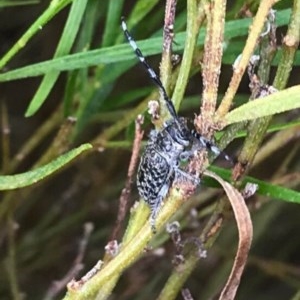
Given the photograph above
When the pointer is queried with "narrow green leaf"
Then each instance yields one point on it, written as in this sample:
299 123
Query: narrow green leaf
77 79
9 3
139 11
48 14
67 39
266 189
123 52
10 182
112 23
276 103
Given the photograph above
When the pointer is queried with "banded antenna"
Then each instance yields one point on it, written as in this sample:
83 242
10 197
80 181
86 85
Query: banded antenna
148 68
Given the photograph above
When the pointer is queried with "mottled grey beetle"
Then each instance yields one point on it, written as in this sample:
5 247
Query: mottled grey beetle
160 164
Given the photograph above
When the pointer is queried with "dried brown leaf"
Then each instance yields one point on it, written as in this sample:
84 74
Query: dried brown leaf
245 231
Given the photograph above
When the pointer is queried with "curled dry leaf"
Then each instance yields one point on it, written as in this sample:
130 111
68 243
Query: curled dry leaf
245 230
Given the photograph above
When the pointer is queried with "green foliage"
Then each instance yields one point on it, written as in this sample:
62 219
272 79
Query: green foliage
8 3
11 182
121 53
90 74
269 105
64 46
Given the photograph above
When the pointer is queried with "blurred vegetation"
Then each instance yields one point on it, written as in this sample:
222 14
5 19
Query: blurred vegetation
69 80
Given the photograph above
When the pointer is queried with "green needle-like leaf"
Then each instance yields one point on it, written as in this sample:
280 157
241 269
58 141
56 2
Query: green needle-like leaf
63 48
266 189
10 182
273 104
123 52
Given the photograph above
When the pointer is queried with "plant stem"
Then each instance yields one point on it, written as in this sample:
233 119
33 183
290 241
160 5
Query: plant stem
256 29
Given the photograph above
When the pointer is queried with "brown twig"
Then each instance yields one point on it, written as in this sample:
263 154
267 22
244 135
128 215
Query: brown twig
124 198
169 26
212 60
179 243
256 29
186 294
259 89
74 285
58 286
166 58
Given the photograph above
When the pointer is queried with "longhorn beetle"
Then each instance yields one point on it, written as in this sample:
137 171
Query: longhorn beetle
159 167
